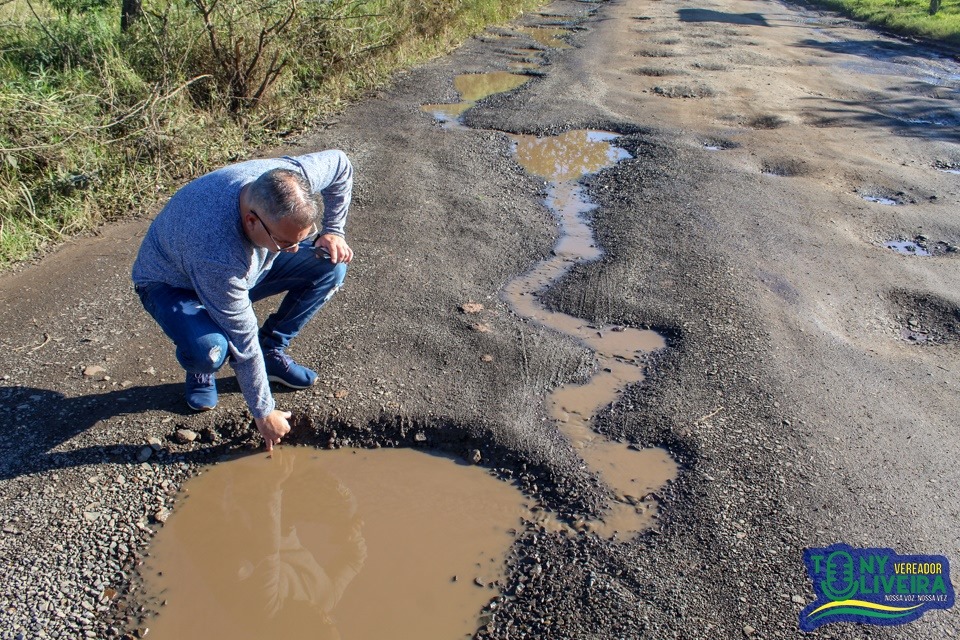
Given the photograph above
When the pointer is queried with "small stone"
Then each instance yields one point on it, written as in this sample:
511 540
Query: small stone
479 582
144 454
487 357
340 394
420 436
155 443
481 327
161 514
798 599
91 516
475 456
126 383
93 370
471 307
121 480
184 436
749 631
9 529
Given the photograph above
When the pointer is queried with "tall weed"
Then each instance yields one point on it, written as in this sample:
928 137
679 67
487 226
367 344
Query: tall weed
96 123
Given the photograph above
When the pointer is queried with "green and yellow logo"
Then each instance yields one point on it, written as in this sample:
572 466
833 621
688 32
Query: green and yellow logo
873 586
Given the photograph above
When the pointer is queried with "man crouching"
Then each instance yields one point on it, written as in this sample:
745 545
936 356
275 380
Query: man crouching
232 237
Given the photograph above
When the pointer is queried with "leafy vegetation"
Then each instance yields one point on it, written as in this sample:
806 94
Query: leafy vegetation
97 122
934 20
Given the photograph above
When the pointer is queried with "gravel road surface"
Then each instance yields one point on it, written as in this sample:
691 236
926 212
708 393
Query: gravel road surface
808 388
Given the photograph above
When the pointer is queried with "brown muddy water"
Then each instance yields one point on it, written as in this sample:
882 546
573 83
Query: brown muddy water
547 36
632 474
473 87
385 543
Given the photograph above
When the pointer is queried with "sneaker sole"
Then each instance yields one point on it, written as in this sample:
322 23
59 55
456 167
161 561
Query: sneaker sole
287 384
201 408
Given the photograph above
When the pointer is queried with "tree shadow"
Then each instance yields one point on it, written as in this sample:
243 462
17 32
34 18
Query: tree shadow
875 49
912 117
40 420
708 15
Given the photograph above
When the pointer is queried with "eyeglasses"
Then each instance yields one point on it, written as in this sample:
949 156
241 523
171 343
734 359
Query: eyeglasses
291 246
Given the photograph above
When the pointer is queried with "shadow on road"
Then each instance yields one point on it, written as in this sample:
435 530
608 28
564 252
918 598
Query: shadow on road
708 15
908 117
40 420
873 49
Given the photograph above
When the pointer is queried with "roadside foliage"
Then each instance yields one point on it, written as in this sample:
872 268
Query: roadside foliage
105 106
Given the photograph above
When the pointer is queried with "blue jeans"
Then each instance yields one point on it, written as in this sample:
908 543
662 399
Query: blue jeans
202 347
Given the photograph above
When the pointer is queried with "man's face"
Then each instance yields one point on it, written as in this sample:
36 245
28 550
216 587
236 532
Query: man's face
283 235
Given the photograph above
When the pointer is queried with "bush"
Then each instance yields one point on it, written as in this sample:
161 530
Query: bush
96 123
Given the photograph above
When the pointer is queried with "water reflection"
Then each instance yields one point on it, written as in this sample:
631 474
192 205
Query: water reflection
306 543
473 87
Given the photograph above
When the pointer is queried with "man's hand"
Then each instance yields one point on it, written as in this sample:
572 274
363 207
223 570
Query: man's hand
273 427
336 247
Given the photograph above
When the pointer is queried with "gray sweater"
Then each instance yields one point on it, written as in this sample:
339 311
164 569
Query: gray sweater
196 242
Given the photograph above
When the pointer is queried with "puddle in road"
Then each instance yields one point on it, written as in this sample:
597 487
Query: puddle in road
890 202
524 66
908 248
473 87
330 544
562 160
547 36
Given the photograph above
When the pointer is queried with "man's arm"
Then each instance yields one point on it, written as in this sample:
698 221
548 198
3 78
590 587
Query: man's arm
224 295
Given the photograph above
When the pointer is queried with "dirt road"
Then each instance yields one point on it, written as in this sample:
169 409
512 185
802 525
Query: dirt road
808 387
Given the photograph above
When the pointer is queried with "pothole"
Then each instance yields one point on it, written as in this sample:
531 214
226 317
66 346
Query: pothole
719 144
562 160
920 245
473 87
925 318
711 66
684 91
885 197
948 167
907 247
656 53
768 121
548 36
300 542
656 72
784 168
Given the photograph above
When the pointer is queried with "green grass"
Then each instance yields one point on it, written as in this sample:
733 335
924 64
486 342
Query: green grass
96 124
905 17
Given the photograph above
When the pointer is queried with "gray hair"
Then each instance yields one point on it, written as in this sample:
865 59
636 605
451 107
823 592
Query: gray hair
282 193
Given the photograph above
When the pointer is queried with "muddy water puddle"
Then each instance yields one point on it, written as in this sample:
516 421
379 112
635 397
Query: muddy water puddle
473 87
329 544
632 475
547 36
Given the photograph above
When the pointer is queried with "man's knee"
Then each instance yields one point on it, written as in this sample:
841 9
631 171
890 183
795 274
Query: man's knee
330 281
205 354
